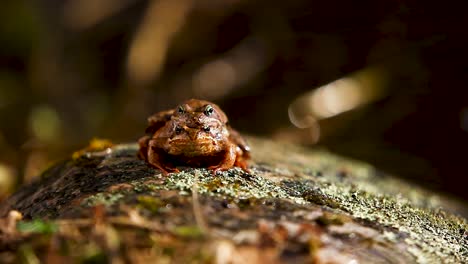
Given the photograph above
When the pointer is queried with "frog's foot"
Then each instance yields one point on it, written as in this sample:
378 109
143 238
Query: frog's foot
241 163
167 170
164 169
218 168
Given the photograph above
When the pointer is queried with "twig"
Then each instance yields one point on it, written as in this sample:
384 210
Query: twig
197 211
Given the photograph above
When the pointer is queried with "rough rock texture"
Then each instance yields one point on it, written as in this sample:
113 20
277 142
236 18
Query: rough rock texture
295 205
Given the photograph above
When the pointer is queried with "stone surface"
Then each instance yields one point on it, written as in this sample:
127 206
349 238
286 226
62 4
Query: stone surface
295 205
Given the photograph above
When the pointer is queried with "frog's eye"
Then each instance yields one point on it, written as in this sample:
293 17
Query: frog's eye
208 110
180 109
206 128
178 129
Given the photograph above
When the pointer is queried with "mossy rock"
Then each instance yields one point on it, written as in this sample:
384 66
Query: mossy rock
295 205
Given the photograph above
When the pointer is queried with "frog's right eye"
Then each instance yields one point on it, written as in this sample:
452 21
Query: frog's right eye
180 109
178 129
208 110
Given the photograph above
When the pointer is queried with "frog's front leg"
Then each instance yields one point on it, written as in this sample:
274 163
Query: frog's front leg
241 159
156 160
143 150
228 160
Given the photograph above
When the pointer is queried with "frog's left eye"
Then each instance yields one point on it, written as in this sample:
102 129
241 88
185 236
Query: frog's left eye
206 128
180 109
208 110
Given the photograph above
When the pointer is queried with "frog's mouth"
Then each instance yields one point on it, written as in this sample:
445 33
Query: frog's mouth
189 148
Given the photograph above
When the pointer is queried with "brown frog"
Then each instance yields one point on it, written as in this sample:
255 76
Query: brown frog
196 134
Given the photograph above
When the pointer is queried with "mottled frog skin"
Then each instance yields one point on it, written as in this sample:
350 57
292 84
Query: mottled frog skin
195 133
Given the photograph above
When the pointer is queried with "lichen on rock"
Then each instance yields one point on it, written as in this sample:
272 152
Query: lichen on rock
294 205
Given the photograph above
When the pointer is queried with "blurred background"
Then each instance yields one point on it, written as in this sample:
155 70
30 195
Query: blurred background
380 81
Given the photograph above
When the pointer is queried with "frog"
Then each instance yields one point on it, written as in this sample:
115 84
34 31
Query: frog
196 133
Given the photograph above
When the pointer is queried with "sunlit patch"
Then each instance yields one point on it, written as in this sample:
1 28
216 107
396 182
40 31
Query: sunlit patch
45 123
95 145
80 14
7 179
337 97
147 53
215 79
239 65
